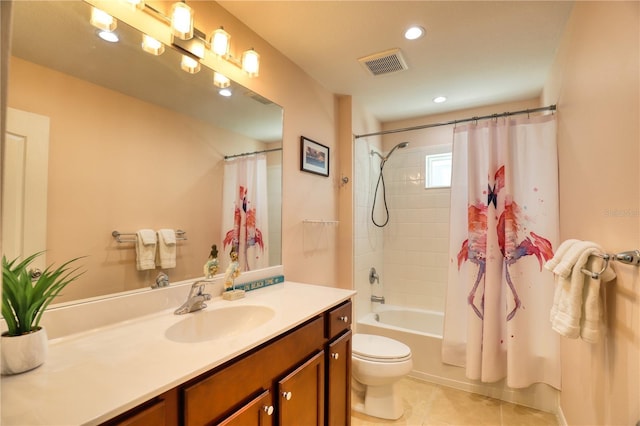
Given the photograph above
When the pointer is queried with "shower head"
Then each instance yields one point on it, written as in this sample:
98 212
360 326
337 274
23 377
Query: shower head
400 145
386 157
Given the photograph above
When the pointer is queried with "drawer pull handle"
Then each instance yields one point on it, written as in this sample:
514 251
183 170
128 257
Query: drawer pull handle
286 395
268 409
343 318
335 355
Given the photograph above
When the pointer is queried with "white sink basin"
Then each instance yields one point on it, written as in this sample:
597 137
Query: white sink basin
217 323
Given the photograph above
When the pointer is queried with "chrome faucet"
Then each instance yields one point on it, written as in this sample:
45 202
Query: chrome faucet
377 299
196 299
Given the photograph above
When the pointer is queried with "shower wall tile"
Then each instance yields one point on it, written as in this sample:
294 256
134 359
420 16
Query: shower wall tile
416 240
410 254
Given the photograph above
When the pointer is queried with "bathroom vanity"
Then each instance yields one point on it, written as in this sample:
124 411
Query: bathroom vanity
286 360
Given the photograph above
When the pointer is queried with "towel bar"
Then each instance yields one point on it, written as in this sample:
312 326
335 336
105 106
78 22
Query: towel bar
631 257
180 235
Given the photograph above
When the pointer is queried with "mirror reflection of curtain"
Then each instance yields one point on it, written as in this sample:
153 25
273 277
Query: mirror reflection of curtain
244 211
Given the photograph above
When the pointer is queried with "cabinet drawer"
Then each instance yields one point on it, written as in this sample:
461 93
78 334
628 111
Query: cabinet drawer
338 319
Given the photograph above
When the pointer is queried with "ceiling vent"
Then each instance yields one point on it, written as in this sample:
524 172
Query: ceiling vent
258 98
386 62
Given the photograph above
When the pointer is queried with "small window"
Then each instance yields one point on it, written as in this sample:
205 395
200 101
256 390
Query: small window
438 170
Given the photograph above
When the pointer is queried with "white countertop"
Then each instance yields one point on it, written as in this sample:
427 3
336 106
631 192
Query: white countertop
93 376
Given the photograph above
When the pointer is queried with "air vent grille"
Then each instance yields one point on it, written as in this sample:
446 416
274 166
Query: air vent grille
387 62
258 98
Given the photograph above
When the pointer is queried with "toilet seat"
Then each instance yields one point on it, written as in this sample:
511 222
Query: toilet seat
374 348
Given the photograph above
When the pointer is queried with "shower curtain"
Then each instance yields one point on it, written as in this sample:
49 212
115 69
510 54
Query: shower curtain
504 225
245 215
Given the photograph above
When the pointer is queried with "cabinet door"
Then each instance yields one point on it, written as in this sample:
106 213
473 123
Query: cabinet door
301 394
258 412
339 381
160 411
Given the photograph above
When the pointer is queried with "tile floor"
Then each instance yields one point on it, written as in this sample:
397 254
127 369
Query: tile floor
431 404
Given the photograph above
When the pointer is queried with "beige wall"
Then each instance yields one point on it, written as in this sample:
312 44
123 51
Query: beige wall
595 84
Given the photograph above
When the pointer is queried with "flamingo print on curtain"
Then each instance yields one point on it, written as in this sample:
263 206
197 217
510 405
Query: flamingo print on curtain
245 216
504 225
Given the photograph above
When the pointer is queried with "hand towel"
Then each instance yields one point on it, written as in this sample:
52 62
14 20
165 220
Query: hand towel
552 263
559 254
592 325
167 248
577 305
145 249
568 261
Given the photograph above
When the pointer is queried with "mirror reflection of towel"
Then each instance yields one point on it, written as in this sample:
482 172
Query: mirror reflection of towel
145 249
167 248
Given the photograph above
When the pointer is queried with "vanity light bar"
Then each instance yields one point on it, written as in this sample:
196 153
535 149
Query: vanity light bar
189 38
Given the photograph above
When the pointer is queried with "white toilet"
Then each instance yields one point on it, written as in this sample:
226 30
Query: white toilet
377 364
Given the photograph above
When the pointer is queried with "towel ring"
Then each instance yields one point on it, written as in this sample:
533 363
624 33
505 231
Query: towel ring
605 265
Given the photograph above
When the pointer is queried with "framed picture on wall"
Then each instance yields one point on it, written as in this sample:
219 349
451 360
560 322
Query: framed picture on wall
314 157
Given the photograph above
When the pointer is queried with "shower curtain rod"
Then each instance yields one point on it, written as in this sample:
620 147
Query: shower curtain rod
464 120
244 154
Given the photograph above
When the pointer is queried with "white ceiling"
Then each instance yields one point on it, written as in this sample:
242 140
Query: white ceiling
474 52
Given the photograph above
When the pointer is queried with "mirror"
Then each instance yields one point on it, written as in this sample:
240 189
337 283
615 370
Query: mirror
133 142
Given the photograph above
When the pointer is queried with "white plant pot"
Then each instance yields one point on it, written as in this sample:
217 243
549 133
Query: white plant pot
23 353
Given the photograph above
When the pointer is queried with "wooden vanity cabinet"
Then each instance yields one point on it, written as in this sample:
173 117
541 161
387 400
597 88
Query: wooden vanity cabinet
213 397
301 377
160 411
338 365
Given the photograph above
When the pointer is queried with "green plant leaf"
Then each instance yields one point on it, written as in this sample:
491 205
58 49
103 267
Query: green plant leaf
23 300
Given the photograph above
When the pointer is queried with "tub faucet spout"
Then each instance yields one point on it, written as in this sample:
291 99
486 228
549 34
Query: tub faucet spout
377 299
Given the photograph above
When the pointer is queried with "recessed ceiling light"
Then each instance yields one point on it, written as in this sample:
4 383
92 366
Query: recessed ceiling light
108 36
439 99
414 32
225 92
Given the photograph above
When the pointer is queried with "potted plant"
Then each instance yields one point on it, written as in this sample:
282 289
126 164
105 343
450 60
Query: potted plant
24 300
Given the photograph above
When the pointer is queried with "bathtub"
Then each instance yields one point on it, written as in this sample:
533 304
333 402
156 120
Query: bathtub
422 330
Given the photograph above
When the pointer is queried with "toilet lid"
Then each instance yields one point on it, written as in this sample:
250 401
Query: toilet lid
374 347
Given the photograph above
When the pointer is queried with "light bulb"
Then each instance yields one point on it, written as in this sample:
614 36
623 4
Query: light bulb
220 80
151 45
182 21
138 4
251 62
220 42
101 19
189 65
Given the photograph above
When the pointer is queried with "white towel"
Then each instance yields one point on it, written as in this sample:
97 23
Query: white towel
592 324
167 248
576 311
571 257
559 254
145 249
